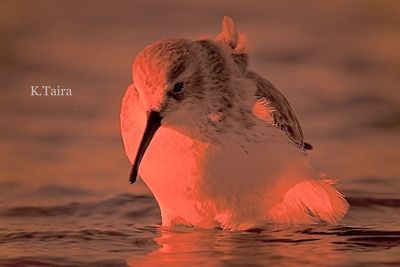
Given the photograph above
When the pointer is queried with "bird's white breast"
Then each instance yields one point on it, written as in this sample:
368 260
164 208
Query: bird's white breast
196 182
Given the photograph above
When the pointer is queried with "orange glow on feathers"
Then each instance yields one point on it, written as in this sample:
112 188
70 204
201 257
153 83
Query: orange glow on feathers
223 156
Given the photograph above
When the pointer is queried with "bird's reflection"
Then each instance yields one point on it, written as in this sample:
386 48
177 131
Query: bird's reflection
286 246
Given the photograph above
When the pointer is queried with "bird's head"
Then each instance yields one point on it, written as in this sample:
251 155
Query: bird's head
182 84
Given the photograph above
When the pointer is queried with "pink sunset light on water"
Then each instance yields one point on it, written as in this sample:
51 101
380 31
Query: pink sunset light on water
271 142
217 144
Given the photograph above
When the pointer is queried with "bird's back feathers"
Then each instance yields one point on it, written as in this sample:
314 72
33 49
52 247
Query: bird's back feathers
284 116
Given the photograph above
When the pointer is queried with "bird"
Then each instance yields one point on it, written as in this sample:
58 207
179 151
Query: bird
216 143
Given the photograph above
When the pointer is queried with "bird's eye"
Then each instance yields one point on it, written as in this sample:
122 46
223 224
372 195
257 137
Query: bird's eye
178 88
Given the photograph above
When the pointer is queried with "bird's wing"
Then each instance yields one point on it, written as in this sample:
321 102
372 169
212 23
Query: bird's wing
283 115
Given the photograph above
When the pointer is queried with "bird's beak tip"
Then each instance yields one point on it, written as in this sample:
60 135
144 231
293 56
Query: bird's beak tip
153 123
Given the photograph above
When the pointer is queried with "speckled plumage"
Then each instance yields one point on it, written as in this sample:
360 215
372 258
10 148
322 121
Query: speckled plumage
230 150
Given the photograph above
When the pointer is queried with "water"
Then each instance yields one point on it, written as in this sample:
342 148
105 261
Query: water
64 196
124 231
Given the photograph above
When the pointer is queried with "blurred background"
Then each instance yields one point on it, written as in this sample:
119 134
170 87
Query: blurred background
337 62
63 169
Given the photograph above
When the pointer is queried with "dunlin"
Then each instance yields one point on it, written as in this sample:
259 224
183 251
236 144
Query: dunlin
217 144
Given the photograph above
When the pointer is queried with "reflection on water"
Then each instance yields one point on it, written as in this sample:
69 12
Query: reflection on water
64 196
101 233
260 247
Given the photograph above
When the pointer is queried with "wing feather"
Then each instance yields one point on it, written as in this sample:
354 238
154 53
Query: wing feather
284 117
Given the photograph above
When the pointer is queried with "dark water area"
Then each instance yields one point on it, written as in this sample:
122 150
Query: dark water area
124 230
64 193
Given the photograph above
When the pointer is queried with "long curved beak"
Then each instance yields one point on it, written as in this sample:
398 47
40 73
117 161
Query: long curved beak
153 123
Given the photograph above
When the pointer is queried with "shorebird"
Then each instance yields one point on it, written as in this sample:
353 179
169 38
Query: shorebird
217 144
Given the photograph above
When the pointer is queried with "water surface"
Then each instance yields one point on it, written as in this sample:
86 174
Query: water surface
64 196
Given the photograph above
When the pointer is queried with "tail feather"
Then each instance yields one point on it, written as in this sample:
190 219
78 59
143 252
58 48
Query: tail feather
311 201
